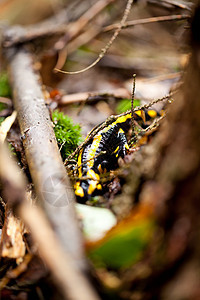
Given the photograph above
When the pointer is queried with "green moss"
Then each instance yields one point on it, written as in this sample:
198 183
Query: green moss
67 134
5 90
125 105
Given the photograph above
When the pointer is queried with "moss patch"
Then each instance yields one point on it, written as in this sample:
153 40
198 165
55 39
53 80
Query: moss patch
67 134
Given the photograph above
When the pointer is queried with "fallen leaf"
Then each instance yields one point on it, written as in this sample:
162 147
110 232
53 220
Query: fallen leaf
6 125
125 243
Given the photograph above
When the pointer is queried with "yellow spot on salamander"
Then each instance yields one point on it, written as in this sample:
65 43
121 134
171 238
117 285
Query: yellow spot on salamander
92 175
116 149
99 187
93 148
92 187
121 131
152 113
78 190
141 114
122 119
126 146
79 163
94 181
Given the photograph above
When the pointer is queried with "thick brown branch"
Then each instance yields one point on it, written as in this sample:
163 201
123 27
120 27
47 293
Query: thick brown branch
47 171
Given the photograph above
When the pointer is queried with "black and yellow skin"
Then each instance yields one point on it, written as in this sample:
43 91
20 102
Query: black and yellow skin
100 154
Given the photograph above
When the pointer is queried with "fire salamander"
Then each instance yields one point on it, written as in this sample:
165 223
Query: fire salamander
101 153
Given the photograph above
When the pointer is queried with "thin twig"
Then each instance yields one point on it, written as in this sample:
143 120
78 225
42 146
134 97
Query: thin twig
152 126
85 37
146 106
147 21
108 45
132 108
76 27
176 4
6 101
90 14
94 96
171 4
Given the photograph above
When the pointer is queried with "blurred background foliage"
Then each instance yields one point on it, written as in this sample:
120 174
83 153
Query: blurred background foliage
156 52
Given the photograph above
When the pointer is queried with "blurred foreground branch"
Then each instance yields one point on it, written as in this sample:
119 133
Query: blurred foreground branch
58 261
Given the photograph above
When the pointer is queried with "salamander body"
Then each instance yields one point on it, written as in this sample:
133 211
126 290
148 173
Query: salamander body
101 153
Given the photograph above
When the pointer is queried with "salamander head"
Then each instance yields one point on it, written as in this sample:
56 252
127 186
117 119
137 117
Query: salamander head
86 189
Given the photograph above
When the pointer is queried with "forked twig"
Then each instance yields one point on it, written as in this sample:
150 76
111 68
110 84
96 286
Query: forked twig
108 45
